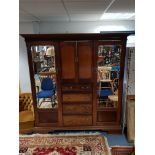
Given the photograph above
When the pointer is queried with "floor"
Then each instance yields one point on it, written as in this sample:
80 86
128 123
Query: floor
116 139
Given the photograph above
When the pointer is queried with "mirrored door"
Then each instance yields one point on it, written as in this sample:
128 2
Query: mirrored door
108 70
44 69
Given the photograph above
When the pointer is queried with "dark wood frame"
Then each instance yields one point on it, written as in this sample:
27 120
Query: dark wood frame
123 150
54 39
119 43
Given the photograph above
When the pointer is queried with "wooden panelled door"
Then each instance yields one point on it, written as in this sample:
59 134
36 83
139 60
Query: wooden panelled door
67 55
76 61
84 51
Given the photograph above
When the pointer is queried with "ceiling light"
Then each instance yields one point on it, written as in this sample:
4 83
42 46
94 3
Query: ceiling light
110 28
117 16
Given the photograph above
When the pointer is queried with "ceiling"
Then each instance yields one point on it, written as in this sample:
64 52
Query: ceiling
75 10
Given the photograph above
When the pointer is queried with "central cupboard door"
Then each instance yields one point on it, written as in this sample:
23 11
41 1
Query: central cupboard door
84 52
68 58
76 61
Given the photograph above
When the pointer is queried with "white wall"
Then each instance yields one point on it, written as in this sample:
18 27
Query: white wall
23 67
23 60
26 27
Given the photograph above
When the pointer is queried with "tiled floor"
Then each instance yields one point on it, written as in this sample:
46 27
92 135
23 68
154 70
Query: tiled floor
116 139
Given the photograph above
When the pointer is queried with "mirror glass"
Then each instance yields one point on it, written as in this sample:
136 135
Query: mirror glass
108 70
44 68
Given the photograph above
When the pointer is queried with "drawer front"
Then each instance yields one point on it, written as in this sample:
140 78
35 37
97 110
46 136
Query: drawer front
75 120
85 108
83 87
76 97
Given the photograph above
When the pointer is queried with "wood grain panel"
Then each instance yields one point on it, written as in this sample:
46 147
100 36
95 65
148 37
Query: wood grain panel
67 52
123 150
78 87
77 97
77 108
75 120
106 116
48 117
85 60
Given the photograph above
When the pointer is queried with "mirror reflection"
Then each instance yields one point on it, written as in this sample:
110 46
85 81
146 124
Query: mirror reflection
43 58
108 75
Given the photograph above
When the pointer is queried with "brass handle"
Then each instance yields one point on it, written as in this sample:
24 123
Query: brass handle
84 87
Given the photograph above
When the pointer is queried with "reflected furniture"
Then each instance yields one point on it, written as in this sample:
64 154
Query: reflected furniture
47 91
105 90
76 59
104 73
115 85
50 74
115 72
113 99
37 65
26 113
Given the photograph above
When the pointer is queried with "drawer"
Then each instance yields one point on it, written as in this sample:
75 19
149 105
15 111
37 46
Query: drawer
77 97
69 87
75 120
82 87
77 108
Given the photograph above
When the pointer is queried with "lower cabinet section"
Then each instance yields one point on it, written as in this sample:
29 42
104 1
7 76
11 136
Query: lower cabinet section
123 150
106 116
75 120
50 116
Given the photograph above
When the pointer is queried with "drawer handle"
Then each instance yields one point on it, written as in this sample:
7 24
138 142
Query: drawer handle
84 87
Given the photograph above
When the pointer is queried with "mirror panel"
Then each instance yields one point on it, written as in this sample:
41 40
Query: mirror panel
108 70
44 68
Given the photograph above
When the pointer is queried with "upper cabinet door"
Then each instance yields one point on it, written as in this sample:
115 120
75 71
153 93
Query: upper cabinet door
85 52
67 55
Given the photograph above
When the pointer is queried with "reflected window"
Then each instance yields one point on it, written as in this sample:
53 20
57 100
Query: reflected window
43 58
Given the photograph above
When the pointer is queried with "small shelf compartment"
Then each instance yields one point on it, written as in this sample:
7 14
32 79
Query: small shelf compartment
47 116
106 116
